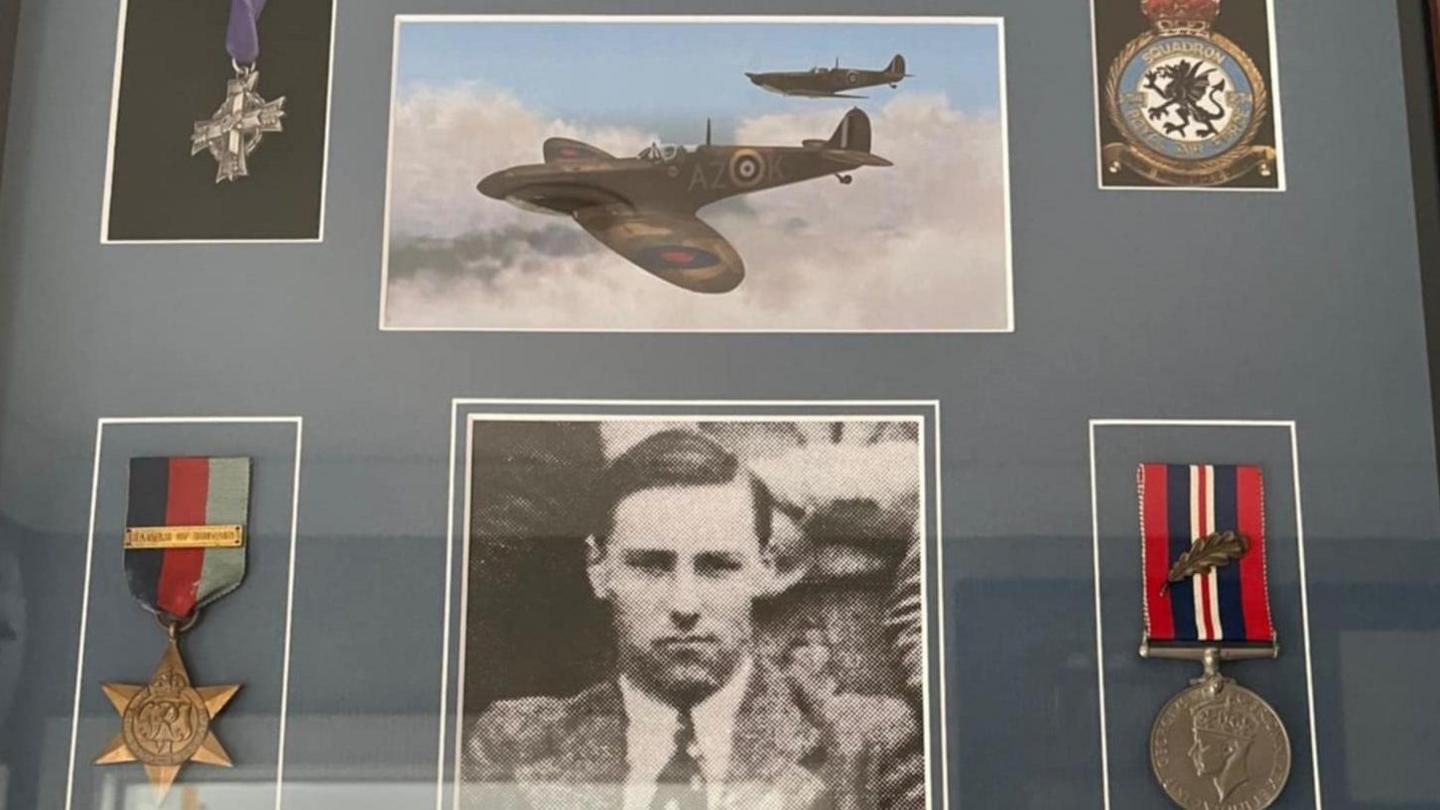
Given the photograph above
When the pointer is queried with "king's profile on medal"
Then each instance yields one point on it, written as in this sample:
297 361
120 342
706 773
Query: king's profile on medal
1185 105
1223 729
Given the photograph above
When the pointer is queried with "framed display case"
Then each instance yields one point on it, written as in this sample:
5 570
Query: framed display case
621 406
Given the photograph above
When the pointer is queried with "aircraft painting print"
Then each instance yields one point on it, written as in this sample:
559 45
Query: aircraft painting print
826 82
644 207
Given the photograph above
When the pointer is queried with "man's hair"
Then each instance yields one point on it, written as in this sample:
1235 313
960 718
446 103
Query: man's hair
677 458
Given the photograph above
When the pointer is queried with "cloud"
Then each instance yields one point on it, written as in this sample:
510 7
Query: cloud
447 139
920 245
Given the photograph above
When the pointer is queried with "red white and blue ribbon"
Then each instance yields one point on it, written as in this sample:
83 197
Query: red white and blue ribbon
174 583
1228 604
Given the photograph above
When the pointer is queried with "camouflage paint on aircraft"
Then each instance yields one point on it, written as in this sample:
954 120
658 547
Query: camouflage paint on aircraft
644 208
828 82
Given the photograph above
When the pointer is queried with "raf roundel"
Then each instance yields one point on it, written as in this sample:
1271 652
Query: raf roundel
676 257
747 168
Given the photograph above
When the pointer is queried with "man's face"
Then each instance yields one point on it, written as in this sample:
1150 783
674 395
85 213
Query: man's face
681 570
1209 753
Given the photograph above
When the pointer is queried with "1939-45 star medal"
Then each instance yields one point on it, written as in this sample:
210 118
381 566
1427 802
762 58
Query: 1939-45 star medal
244 118
1187 101
166 723
1216 745
184 548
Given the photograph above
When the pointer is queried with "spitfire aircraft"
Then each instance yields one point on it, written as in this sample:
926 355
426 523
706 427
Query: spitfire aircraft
825 82
644 208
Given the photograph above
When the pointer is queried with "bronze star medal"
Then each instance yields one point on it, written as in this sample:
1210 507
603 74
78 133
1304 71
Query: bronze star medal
166 723
236 129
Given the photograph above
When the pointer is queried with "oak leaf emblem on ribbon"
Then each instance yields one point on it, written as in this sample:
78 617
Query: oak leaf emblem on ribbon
1210 551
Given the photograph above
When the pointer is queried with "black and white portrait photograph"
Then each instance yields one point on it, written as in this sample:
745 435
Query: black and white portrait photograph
670 614
219 121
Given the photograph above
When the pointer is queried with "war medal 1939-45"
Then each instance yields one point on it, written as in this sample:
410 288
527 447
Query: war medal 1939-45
244 118
1187 102
1216 745
184 548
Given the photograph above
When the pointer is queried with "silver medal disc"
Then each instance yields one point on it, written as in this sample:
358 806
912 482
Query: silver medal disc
1219 746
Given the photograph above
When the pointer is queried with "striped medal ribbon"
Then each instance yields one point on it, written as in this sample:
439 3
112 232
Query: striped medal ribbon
1203 552
185 532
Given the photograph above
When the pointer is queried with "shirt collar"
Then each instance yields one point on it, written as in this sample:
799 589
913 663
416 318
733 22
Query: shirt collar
651 725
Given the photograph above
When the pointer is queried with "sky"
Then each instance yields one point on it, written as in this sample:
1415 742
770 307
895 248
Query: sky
669 77
920 245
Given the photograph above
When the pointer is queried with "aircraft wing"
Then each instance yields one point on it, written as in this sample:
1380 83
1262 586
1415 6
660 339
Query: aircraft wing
808 92
678 248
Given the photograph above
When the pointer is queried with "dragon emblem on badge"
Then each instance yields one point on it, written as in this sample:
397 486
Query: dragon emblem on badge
1188 94
1187 101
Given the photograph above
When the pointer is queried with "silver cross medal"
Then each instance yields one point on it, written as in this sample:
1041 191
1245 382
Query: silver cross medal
238 126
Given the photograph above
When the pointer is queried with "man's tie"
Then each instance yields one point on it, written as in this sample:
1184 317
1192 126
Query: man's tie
681 783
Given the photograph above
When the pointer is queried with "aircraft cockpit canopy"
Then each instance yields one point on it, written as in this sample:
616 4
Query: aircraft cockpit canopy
661 153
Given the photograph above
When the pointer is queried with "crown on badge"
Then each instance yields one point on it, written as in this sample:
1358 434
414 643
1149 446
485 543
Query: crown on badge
170 682
1181 16
1224 717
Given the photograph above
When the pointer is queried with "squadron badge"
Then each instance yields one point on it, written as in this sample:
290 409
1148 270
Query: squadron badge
1185 105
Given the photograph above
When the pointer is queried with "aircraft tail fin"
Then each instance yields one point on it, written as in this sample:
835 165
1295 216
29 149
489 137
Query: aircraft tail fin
851 142
853 134
896 67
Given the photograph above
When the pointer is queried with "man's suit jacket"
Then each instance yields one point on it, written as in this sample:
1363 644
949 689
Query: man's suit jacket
562 753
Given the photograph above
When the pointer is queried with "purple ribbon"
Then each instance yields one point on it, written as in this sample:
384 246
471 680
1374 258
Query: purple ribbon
242 39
